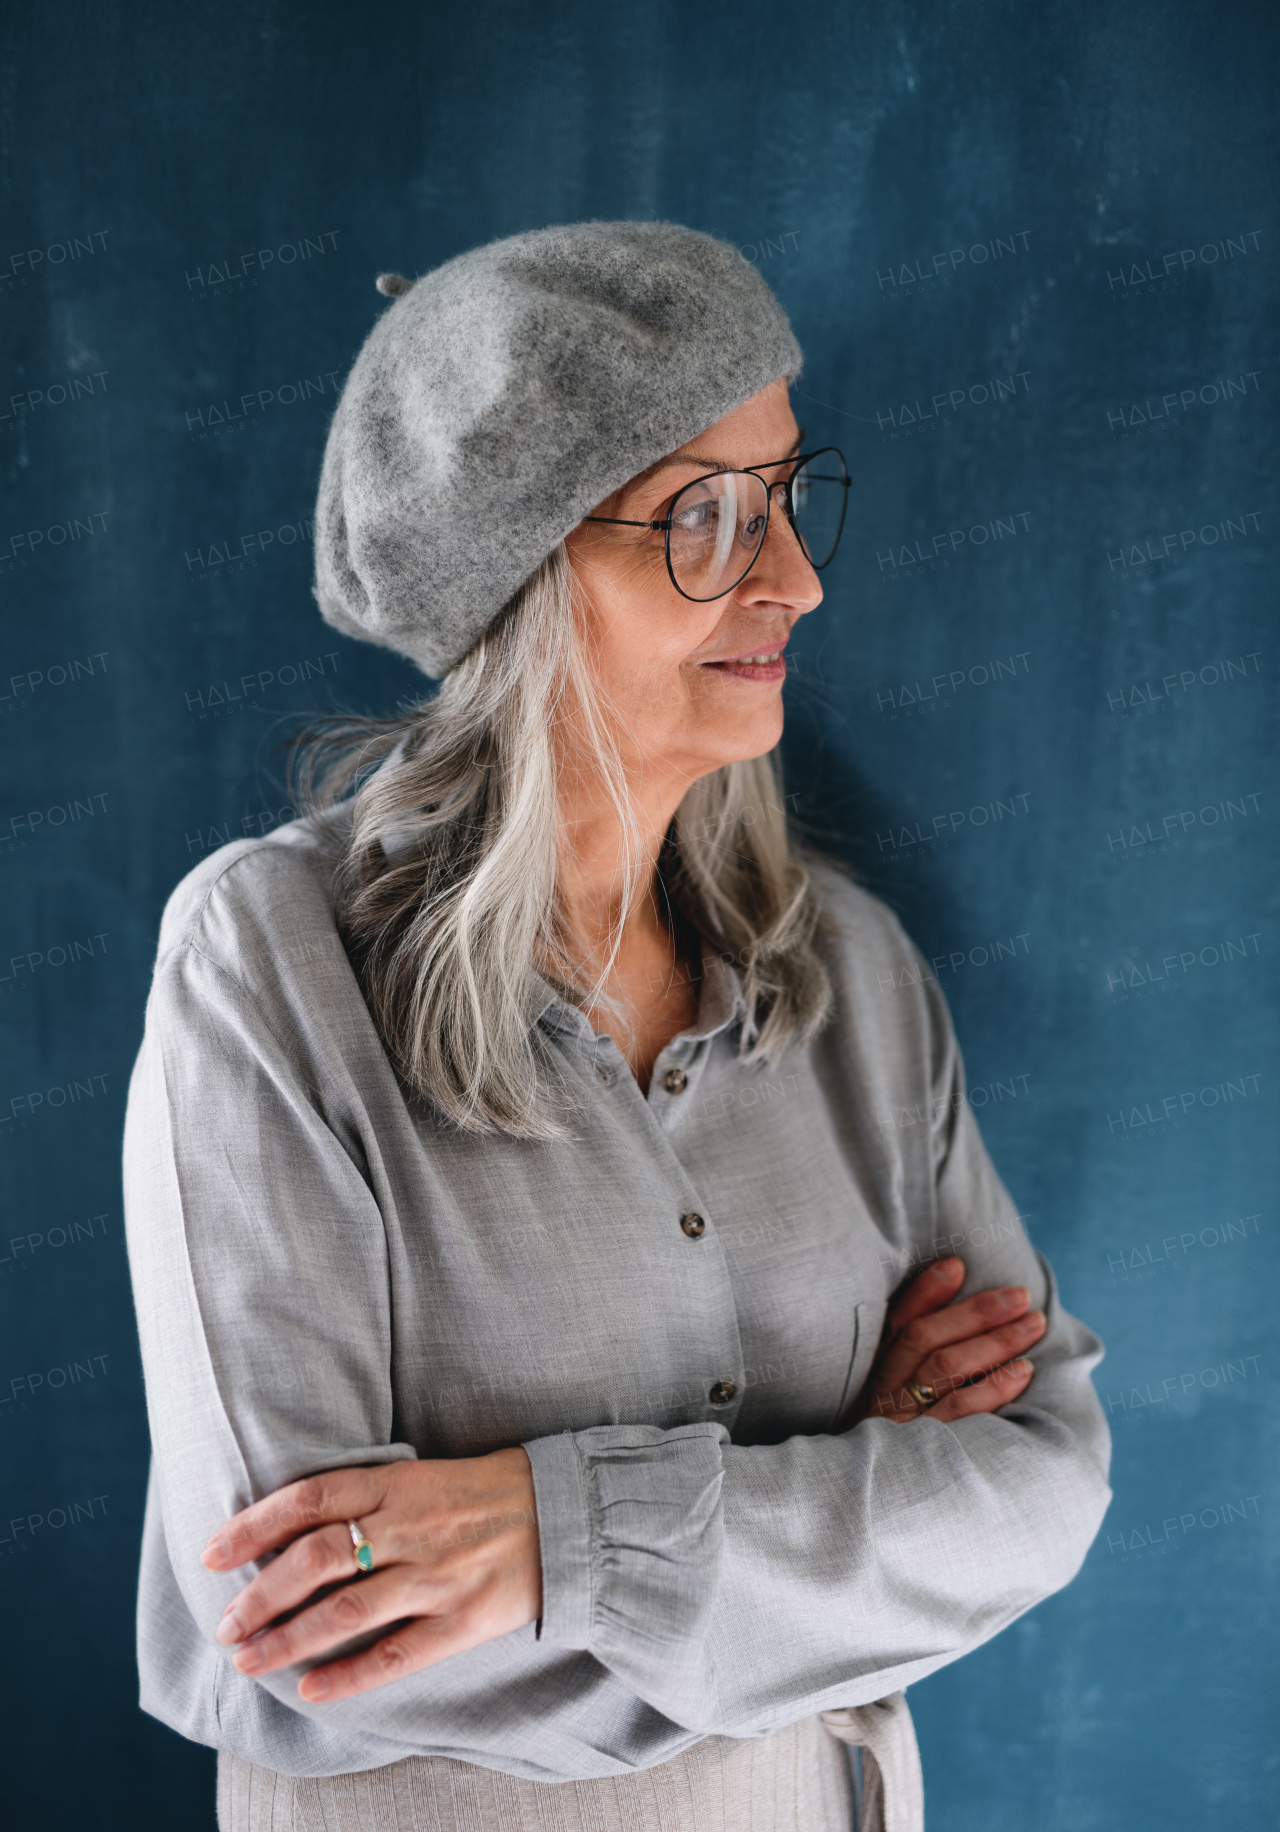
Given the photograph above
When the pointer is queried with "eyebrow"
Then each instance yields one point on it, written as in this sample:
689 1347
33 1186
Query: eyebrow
709 464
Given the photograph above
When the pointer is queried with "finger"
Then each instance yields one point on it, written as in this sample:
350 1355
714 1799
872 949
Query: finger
989 1393
422 1643
897 1406
323 1557
936 1285
989 1390
355 1609
972 1316
950 1367
339 1494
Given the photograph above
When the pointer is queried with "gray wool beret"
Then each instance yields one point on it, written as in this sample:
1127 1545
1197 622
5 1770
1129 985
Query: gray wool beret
502 397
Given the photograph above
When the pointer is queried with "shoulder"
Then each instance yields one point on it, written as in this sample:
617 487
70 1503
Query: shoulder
255 903
252 973
885 991
862 934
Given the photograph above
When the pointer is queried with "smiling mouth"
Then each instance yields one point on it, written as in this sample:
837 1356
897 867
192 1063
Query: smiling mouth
766 665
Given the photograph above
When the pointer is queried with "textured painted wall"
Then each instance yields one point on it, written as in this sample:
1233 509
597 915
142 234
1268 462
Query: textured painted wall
1030 253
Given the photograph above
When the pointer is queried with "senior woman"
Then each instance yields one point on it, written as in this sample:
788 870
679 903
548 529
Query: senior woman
525 1150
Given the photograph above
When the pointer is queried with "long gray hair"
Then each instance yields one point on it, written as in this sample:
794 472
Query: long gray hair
447 885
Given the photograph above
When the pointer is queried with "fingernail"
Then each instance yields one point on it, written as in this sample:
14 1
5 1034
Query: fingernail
1012 1298
317 1687
250 1658
1033 1320
217 1551
943 1269
231 1628
1021 1367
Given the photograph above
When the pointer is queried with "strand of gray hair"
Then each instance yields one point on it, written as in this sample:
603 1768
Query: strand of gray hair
446 887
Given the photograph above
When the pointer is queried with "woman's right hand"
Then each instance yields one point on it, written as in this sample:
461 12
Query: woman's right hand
940 1345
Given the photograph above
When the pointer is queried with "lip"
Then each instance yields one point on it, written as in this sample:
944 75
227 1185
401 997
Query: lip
742 668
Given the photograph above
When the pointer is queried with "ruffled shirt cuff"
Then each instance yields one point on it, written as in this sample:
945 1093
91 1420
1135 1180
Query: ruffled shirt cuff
632 1538
564 1534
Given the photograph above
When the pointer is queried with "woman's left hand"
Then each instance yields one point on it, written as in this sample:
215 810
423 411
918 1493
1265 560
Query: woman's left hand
455 1549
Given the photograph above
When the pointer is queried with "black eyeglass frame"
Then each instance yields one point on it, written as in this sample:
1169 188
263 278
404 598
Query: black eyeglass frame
748 470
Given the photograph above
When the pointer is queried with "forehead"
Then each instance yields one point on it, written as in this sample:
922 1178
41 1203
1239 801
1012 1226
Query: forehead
762 429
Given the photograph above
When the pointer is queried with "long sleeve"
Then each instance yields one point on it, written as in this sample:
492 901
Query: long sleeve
325 1275
740 1587
259 1268
269 1158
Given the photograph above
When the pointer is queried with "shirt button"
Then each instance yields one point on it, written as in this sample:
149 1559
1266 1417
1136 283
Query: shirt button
675 1081
694 1226
722 1392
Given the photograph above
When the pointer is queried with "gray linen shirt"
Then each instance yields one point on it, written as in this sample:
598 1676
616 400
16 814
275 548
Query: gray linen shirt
325 1275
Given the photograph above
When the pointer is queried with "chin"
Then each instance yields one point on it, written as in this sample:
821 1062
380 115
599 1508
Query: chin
744 746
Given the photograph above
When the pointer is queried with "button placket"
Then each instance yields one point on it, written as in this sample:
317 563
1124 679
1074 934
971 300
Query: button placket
683 1061
718 1344
721 1393
605 1066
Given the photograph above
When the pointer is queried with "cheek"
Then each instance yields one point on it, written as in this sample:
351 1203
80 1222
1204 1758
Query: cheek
644 677
643 634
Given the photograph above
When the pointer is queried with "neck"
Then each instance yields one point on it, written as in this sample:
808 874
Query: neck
593 877
650 990
595 899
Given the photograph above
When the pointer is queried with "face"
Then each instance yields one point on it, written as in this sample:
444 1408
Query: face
696 685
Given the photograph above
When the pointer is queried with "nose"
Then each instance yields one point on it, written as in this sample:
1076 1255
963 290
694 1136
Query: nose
782 574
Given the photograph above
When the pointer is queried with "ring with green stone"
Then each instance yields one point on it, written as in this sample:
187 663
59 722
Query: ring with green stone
360 1546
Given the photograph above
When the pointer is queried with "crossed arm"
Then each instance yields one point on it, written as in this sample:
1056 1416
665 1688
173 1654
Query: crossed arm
456 1544
701 1586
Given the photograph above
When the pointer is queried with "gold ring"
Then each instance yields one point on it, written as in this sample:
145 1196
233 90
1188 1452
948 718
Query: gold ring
924 1396
361 1549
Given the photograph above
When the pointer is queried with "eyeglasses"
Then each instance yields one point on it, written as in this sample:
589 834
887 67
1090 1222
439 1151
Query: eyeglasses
717 524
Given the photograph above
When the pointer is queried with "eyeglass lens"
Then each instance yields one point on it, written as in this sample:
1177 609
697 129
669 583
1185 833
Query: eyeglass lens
717 525
718 522
818 496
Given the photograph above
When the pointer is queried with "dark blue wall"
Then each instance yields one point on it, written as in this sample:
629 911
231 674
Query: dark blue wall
1045 649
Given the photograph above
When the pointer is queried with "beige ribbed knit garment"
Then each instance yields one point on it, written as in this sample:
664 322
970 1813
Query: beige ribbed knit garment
796 1780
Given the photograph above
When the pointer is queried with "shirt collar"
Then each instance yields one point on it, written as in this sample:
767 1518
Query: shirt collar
721 1003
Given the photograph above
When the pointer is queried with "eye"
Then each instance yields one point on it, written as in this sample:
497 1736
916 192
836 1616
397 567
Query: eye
699 517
